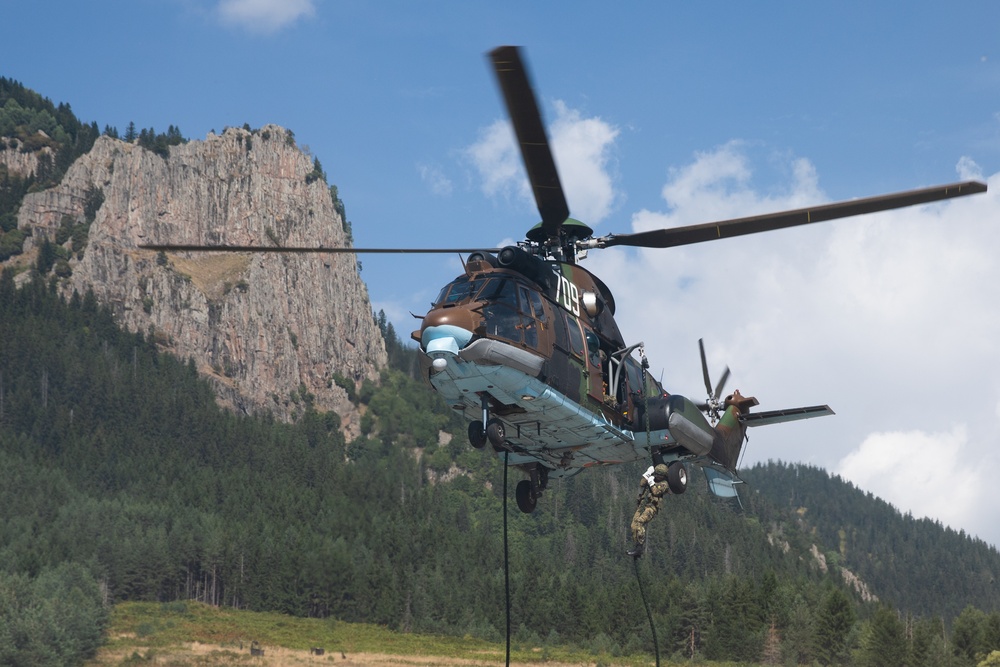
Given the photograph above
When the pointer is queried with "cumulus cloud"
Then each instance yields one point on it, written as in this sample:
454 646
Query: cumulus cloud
436 179
264 16
888 318
928 474
583 150
495 157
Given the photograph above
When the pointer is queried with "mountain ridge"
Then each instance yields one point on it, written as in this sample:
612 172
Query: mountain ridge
271 331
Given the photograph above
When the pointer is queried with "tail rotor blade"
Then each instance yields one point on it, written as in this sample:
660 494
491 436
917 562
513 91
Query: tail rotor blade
704 367
722 383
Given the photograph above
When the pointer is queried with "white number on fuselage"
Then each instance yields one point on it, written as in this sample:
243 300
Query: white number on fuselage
567 294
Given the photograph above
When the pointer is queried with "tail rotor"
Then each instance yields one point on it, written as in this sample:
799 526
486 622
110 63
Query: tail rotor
714 406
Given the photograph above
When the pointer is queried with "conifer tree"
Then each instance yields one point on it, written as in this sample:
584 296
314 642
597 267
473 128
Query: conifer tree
833 624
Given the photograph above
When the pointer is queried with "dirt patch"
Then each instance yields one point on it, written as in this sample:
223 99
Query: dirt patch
208 655
214 274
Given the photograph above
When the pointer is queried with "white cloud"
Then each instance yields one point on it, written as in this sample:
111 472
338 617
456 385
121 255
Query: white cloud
496 159
888 318
968 169
582 149
264 16
928 474
718 185
436 179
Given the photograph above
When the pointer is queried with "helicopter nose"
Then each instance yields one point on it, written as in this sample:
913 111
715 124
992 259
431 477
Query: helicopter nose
444 339
445 331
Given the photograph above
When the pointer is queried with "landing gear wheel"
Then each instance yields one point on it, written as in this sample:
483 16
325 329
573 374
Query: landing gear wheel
477 434
496 434
677 478
526 500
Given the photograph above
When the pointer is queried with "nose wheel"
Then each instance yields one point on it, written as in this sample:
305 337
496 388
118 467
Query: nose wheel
496 434
487 429
477 434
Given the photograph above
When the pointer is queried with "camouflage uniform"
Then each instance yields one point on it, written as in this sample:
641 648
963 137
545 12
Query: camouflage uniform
653 495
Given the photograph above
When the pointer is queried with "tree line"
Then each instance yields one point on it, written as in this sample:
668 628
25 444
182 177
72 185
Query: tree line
116 461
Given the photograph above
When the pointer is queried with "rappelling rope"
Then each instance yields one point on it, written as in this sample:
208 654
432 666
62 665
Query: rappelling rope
649 614
506 559
649 446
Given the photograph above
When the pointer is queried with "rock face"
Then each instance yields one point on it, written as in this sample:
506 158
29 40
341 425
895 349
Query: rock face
17 161
272 330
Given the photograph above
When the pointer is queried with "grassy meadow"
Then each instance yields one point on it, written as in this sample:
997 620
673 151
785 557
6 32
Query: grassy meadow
191 633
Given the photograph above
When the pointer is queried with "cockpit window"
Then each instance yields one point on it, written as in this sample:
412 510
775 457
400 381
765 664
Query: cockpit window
575 335
461 289
500 290
536 305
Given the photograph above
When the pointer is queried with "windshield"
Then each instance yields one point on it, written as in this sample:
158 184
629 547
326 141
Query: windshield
461 289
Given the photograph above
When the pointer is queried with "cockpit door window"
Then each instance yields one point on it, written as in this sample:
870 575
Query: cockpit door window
575 335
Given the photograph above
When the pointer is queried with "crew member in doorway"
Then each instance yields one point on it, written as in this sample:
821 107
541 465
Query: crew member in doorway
653 489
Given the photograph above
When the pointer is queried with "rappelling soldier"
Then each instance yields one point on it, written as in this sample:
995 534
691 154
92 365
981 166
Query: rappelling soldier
653 488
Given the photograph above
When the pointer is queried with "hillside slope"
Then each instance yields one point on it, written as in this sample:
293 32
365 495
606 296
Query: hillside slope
115 456
917 565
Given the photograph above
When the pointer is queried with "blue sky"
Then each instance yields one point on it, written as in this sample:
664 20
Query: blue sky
660 114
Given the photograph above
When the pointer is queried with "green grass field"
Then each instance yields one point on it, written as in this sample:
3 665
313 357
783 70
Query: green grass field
191 633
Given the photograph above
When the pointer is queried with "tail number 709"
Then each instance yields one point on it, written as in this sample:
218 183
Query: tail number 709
567 294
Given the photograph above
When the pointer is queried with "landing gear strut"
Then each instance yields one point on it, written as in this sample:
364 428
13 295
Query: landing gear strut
487 429
492 430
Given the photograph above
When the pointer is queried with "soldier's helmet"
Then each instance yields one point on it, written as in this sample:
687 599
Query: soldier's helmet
660 471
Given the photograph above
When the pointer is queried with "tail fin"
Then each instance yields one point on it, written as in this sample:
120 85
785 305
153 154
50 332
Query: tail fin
731 431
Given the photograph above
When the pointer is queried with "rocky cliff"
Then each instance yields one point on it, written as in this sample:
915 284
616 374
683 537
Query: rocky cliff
271 330
18 161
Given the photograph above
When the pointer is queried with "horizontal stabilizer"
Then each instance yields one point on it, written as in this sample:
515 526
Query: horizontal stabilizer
721 483
789 415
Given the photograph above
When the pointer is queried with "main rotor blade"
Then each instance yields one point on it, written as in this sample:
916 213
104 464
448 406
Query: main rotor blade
677 236
173 247
522 107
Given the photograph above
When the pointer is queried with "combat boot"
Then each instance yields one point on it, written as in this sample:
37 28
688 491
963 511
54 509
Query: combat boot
636 550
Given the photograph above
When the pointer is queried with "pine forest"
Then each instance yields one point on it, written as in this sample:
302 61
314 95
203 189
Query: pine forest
121 479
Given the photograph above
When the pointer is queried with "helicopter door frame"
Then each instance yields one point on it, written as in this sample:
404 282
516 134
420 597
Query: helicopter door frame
617 361
578 351
595 372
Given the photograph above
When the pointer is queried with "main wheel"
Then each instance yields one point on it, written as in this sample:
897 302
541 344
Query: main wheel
677 478
525 499
496 434
477 434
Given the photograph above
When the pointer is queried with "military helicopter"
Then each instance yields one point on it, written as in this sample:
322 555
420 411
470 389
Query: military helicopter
524 342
